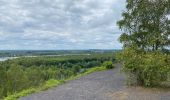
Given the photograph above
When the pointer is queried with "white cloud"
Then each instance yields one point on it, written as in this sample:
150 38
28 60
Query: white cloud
59 24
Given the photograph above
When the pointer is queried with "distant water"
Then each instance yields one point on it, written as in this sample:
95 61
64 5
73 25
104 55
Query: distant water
68 55
8 58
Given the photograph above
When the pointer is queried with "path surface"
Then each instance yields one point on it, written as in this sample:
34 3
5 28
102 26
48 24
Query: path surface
104 85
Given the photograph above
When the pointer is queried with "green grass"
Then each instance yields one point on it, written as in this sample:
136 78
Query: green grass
50 83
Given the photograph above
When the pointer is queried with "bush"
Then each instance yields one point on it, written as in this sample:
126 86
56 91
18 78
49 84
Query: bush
150 69
108 64
76 69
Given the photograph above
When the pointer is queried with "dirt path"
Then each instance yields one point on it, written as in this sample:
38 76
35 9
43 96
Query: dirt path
104 85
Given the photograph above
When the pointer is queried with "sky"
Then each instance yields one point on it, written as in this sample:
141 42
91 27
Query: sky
60 24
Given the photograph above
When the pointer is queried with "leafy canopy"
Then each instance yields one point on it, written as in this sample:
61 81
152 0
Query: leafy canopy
145 24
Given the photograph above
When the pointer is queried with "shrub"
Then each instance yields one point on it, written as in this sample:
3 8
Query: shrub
76 69
108 64
150 69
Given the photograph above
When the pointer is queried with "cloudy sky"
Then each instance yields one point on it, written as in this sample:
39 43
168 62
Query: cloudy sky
60 24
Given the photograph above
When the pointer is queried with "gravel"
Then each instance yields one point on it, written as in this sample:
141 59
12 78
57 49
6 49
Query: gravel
103 85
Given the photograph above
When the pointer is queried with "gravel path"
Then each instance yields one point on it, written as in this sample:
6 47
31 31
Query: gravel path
103 85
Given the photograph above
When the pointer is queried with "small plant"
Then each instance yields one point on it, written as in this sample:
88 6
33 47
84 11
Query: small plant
108 64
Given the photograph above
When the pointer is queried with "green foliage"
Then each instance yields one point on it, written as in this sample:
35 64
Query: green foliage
93 70
50 83
146 36
3 81
16 79
21 94
145 24
149 69
108 64
24 73
76 69
35 75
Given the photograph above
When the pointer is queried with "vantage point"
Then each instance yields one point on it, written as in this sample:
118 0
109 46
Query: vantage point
85 50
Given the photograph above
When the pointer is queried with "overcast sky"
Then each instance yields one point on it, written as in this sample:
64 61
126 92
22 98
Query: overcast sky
60 24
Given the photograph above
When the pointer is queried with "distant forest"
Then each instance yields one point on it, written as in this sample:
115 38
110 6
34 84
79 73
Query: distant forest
13 53
28 72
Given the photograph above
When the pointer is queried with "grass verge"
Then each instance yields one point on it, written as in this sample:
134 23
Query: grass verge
50 83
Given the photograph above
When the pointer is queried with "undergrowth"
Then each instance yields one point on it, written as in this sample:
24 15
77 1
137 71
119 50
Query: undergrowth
50 83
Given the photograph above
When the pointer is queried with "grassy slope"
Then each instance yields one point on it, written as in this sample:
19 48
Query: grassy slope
49 84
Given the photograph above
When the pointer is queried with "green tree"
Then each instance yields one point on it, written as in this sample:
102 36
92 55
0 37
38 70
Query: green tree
16 79
3 81
34 76
146 28
145 24
76 69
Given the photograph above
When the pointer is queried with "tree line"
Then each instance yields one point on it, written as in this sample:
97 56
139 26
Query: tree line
146 39
23 73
